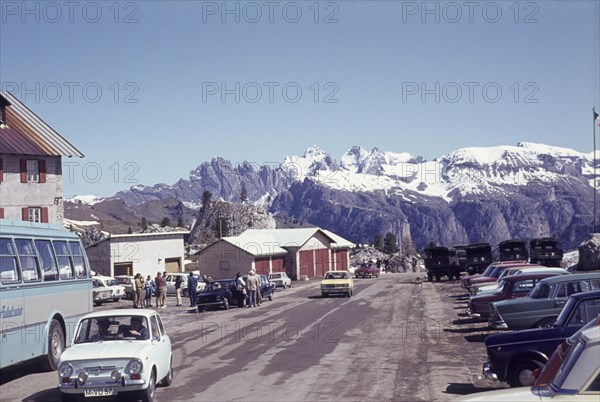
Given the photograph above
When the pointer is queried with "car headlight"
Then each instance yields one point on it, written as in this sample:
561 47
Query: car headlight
134 366
65 370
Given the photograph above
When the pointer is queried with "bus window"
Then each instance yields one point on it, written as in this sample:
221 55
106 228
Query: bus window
78 260
63 254
9 272
30 264
46 252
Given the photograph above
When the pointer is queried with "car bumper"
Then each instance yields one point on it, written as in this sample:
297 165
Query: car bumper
488 373
215 303
494 324
335 291
124 385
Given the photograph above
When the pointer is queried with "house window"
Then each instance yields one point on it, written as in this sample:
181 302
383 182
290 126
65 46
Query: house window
33 171
35 214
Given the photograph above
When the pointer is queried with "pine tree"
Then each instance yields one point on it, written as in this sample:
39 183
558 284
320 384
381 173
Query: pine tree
390 243
129 231
244 194
165 222
144 224
180 223
378 242
206 199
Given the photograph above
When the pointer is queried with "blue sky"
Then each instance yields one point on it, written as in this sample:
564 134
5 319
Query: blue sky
149 90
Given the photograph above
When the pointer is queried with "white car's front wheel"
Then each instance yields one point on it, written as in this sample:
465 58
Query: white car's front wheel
168 380
147 395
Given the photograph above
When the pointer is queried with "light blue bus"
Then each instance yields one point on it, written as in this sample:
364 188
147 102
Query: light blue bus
45 287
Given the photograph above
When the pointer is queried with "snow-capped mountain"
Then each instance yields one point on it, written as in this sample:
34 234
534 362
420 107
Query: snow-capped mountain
471 194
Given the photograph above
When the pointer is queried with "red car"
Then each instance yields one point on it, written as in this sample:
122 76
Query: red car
367 271
510 287
495 267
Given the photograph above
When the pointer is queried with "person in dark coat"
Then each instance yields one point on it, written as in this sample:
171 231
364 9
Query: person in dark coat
192 284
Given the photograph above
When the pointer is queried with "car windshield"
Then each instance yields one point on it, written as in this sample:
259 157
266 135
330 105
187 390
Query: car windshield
540 291
501 288
106 328
275 276
112 282
488 270
336 275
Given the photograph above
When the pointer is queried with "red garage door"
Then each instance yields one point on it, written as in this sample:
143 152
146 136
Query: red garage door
306 263
278 264
262 266
322 262
341 258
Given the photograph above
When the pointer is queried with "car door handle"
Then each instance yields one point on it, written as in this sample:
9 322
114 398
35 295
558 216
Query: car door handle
559 303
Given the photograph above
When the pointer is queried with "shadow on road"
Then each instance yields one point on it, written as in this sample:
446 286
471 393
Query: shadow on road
465 389
12 373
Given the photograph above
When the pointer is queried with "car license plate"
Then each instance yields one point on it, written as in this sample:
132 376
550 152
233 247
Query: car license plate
104 391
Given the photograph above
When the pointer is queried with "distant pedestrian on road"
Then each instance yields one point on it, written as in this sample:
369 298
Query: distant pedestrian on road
240 289
192 285
178 282
150 290
137 302
160 284
252 284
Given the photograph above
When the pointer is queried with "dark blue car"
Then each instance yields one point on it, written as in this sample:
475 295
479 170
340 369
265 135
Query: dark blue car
219 293
513 356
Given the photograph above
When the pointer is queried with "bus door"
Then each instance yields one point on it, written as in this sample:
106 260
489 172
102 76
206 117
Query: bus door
11 305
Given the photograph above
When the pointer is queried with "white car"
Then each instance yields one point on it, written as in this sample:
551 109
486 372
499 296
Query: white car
117 290
170 278
116 352
571 374
280 279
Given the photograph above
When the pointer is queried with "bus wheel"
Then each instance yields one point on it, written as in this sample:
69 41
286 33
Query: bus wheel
56 345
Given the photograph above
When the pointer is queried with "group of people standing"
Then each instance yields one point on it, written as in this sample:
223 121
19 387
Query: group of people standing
248 291
144 289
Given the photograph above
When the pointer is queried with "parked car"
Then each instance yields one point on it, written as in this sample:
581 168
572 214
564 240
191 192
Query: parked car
172 276
514 356
465 282
100 294
117 290
491 279
526 269
281 279
511 287
267 288
337 283
366 270
116 353
219 293
543 304
128 282
571 374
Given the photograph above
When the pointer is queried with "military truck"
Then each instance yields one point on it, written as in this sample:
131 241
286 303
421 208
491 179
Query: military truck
545 251
479 256
513 250
441 261
461 256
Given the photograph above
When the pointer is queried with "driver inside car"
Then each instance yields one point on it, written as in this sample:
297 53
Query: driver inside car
135 330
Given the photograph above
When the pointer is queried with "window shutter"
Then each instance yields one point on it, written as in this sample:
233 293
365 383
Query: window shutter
23 163
1 171
1 213
42 167
25 213
44 214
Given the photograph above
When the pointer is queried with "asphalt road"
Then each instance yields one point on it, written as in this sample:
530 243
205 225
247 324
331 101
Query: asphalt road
395 339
